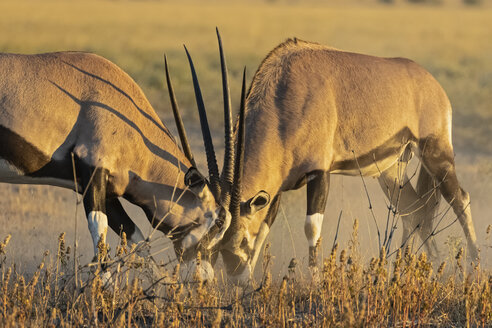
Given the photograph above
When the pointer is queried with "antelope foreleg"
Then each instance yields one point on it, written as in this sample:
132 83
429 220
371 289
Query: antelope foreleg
119 222
94 182
317 194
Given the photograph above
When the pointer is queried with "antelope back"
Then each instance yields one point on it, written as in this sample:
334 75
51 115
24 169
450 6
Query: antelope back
61 102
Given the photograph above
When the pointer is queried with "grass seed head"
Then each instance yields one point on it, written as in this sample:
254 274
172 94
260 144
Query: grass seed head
4 244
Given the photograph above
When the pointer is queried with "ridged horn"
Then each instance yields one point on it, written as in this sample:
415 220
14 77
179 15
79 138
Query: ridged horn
239 158
213 169
228 167
177 118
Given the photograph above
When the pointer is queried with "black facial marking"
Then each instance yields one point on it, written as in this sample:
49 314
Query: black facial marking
273 210
221 218
193 178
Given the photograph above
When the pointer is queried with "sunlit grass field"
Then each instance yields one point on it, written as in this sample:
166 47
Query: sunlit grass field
453 42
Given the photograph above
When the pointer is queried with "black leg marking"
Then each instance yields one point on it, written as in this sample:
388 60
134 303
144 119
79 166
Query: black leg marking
118 219
94 183
317 194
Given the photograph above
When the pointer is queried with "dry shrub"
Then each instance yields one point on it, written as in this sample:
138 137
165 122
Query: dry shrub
400 291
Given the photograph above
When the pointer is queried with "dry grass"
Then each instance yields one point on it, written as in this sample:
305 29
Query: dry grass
344 291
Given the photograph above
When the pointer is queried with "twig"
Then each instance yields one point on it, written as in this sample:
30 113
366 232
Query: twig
336 232
435 232
404 241
288 228
75 243
368 199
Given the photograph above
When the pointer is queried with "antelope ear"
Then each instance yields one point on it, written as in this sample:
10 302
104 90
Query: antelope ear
257 202
195 181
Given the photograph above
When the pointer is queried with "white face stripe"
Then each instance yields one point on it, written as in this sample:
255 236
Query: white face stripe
220 235
260 239
197 234
312 228
98 226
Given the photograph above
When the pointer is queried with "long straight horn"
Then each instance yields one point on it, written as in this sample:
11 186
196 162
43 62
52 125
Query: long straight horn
238 162
227 169
177 118
213 169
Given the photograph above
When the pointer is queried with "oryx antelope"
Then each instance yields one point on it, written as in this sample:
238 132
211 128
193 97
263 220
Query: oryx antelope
312 111
57 104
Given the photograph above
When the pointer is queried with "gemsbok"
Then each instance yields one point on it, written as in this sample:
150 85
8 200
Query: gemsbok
312 111
73 116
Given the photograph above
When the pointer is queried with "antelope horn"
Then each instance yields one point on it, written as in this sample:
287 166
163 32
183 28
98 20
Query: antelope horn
213 169
227 169
238 162
177 118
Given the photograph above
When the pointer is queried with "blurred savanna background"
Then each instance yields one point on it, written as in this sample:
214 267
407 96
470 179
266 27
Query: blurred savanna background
450 38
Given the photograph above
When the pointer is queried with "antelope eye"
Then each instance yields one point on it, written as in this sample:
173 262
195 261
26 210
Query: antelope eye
244 243
219 222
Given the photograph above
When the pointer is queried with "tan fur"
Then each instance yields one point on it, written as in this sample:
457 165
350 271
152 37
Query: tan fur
316 108
360 103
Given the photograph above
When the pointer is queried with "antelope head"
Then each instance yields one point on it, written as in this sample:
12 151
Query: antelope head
237 246
215 218
242 242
